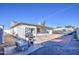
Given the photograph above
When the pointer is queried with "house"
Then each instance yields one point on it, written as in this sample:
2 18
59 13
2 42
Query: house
62 30
21 29
41 32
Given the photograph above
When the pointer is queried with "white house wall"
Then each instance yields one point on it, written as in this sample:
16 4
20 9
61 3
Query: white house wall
20 30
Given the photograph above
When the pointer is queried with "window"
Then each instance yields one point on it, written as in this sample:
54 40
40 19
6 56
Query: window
38 30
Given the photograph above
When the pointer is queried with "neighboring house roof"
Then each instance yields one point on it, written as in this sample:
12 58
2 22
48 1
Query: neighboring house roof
18 24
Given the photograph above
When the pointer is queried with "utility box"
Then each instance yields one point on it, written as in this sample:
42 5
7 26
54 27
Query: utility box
1 34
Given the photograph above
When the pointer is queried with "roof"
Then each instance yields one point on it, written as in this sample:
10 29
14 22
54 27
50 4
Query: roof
18 24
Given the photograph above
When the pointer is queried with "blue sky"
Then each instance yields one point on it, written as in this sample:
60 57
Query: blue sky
54 14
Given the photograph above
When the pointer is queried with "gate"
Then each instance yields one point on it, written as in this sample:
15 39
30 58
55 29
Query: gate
1 34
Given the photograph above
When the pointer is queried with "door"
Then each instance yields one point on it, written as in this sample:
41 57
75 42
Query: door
1 34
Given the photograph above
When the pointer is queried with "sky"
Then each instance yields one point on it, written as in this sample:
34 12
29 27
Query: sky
55 14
